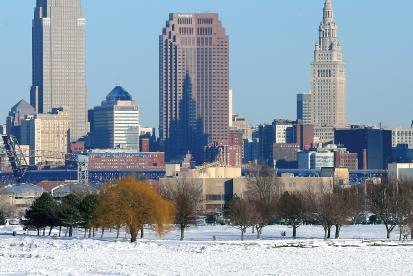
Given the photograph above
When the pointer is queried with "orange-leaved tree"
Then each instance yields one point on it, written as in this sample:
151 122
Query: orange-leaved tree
134 203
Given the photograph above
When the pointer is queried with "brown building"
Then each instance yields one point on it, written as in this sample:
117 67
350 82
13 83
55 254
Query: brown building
144 144
343 159
304 134
193 84
101 160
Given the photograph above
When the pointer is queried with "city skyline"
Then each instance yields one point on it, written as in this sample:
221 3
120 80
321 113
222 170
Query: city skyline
367 69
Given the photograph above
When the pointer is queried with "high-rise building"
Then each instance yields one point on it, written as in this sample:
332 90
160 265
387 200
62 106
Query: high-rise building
16 115
59 71
230 106
328 75
304 109
116 122
193 84
47 136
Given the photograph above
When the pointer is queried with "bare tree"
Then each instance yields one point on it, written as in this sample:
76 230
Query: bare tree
263 194
242 215
346 206
291 208
383 203
404 206
188 199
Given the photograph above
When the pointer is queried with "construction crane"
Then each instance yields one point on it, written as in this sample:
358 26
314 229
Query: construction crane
21 169
16 158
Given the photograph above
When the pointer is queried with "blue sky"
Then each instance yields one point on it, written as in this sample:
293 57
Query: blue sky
271 47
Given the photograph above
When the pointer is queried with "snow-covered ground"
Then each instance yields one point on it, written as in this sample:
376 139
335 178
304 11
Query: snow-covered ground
362 251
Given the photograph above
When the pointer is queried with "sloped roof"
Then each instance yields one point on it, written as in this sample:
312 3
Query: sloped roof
24 108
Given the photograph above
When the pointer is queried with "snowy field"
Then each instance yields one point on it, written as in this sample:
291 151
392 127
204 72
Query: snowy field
361 251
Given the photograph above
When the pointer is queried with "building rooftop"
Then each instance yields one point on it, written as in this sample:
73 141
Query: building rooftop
23 108
23 189
118 94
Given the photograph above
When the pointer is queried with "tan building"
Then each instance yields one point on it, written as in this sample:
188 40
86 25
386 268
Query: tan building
221 184
402 135
328 75
17 198
48 136
59 63
323 135
194 83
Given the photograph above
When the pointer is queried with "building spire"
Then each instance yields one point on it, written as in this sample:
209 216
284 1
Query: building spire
328 14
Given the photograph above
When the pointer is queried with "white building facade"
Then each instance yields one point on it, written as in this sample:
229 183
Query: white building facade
116 122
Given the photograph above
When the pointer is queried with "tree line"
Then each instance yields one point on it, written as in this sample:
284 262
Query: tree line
125 204
131 204
390 203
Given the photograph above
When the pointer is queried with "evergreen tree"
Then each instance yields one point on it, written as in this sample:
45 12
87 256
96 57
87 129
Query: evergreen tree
42 213
70 215
2 218
88 208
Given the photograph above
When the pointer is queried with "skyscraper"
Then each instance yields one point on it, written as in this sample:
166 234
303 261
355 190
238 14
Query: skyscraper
193 84
59 77
304 109
328 75
116 122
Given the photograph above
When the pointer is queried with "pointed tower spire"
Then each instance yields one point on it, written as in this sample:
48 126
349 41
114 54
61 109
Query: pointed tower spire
328 11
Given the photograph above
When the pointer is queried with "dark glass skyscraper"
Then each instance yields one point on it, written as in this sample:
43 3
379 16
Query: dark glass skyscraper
193 84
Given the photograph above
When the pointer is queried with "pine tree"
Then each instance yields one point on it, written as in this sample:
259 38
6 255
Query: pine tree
88 208
70 214
2 218
42 213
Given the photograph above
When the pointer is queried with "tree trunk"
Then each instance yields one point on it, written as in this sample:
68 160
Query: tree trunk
50 230
388 231
117 232
259 229
93 233
38 231
242 233
142 232
329 232
70 231
85 233
338 228
133 233
411 232
325 232
400 232
294 231
44 231
182 232
103 232
90 233
60 230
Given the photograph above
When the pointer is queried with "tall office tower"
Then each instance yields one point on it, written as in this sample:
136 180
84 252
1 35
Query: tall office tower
59 77
304 108
193 84
328 75
116 122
